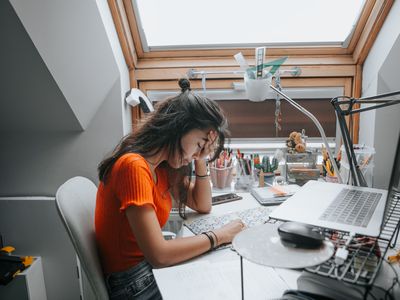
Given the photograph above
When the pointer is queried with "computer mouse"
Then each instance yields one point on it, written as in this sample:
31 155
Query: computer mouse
300 235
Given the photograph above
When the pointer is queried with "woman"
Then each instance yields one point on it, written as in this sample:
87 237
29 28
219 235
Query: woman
147 171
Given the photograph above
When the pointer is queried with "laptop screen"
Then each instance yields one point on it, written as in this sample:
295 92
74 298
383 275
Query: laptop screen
394 185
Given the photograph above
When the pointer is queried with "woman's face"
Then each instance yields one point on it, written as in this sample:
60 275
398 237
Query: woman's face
192 144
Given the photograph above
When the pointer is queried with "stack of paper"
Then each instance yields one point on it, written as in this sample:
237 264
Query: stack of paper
273 195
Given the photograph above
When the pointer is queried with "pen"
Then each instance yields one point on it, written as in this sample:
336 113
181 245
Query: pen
329 167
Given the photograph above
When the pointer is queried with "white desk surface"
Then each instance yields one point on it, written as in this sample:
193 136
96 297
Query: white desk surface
216 275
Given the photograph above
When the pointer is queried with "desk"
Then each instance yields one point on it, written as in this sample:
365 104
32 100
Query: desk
216 275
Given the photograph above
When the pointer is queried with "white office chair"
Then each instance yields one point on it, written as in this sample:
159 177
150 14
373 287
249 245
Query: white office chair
76 200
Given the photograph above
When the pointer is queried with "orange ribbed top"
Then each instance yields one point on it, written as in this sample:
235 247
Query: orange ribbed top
129 183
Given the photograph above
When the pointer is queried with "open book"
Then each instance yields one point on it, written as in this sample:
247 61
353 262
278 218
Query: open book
274 195
250 217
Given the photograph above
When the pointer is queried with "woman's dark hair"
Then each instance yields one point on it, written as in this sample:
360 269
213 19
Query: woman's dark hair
164 129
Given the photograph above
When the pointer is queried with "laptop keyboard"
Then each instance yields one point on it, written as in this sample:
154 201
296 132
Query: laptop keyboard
352 207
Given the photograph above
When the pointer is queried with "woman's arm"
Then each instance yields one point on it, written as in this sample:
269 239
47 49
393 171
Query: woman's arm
161 253
199 196
199 193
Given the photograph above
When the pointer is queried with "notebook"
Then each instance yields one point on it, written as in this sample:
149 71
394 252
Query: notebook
359 210
274 195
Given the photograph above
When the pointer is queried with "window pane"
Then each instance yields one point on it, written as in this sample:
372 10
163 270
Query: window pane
191 23
256 119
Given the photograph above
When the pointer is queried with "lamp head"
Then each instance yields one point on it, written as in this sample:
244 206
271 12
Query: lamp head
257 90
136 97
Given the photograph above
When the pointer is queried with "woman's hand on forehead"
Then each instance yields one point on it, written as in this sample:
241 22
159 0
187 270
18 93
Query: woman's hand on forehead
212 137
209 146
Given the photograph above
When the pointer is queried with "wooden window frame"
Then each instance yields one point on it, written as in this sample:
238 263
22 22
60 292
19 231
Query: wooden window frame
317 63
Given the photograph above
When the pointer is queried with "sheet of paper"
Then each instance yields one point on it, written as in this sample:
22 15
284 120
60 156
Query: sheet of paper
289 276
197 281
260 282
220 280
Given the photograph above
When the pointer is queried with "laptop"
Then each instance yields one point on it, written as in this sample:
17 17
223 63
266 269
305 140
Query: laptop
359 210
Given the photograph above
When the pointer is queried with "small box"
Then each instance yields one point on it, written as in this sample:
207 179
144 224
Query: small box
221 177
301 167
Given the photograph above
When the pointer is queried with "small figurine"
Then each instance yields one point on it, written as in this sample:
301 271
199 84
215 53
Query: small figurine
296 142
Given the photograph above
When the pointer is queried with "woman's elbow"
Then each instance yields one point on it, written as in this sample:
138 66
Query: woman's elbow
159 259
156 263
204 210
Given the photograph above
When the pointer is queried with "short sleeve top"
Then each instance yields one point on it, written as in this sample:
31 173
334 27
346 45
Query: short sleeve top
129 183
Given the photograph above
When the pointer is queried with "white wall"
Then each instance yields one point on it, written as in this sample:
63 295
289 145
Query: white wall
37 163
120 62
79 71
380 128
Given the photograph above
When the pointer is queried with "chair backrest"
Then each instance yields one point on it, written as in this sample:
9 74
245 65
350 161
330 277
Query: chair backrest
76 200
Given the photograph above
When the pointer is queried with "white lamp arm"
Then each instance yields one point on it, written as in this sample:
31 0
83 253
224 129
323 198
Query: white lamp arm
318 124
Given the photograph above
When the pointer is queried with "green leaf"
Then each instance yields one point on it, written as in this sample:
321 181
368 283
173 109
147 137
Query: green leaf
275 64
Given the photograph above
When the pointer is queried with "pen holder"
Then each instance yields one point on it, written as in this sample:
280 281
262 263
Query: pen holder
221 177
257 89
365 159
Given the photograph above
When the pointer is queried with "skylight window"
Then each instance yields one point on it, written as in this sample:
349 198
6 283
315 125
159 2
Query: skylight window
191 24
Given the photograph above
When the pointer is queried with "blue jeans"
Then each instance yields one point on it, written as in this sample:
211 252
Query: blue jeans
136 283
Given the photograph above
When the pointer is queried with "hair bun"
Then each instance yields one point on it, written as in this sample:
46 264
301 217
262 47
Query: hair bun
184 84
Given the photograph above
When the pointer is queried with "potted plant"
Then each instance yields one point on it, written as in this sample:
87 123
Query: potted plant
267 167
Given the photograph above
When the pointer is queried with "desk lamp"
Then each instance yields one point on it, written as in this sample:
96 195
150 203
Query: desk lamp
255 93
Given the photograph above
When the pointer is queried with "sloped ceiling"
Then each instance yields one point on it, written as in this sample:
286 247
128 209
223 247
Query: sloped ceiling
58 64
30 99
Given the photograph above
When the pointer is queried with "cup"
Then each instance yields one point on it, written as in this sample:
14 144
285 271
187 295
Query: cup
221 177
244 183
332 179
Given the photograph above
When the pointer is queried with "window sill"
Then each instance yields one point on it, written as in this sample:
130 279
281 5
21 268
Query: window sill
267 145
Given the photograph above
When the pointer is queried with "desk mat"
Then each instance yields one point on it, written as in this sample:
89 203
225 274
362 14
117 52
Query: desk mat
250 217
262 245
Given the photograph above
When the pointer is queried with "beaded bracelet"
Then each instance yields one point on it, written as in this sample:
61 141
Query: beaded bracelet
207 234
216 238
